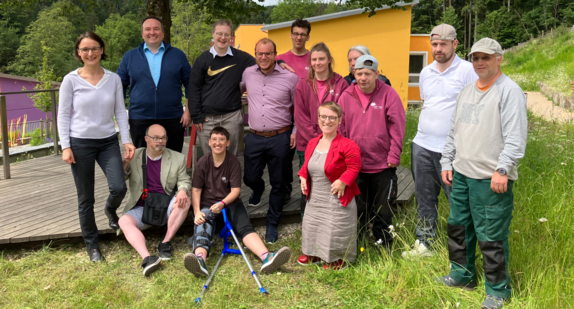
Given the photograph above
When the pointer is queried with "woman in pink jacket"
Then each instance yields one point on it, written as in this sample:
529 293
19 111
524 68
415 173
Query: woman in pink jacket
322 84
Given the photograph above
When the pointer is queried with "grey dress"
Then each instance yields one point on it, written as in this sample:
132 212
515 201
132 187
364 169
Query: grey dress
329 229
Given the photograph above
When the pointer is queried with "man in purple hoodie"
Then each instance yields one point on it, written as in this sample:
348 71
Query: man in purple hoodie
374 118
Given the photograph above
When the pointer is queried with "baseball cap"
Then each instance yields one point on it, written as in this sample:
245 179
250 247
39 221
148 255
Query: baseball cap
366 62
487 46
443 32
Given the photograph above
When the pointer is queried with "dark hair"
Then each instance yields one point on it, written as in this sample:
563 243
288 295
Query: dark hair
265 41
320 47
153 17
220 130
301 23
223 22
93 36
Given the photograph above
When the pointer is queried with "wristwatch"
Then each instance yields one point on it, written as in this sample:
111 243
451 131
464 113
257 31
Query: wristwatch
501 171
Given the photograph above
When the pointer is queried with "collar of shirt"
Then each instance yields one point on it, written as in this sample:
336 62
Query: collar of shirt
276 68
452 66
214 53
156 159
162 47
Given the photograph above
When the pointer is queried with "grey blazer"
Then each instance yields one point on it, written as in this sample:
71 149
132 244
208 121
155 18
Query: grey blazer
173 172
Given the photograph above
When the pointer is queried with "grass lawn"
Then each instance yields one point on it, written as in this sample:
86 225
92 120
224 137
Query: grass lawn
550 60
541 265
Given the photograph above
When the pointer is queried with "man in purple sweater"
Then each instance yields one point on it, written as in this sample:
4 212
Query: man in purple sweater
374 118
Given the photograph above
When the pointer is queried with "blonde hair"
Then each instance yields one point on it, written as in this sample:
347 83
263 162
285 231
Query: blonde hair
321 47
334 107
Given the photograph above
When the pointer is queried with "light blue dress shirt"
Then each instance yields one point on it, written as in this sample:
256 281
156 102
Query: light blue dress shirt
154 61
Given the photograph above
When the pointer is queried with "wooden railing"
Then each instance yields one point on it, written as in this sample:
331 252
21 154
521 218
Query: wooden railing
4 126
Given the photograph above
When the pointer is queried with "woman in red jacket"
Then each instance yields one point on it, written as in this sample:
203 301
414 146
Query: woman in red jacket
332 163
322 84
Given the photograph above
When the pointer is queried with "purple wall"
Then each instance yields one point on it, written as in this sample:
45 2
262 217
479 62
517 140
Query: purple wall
18 105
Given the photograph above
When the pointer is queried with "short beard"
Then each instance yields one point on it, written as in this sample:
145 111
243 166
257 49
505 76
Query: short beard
446 59
159 148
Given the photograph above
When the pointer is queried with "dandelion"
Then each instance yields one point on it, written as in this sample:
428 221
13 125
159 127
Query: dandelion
362 249
542 219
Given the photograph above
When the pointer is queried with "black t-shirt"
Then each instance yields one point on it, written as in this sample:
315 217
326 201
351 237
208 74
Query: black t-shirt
216 182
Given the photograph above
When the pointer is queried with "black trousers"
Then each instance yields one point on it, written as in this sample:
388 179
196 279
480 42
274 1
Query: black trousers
173 128
288 175
86 153
273 152
373 205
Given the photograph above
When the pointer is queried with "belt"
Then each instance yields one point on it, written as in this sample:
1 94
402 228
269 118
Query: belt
271 133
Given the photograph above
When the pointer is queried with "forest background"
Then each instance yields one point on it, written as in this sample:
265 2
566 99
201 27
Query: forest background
37 36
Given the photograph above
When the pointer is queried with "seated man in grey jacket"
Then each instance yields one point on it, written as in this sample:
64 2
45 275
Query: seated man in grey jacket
165 170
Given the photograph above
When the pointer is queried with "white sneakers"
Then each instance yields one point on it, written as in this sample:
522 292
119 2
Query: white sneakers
419 250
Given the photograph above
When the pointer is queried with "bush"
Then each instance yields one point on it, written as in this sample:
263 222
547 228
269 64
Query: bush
36 138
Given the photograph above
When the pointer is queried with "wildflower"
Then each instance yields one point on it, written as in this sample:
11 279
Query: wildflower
516 231
391 228
458 304
542 219
563 163
362 249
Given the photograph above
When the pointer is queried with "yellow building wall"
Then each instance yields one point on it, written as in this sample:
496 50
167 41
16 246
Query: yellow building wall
386 34
422 44
246 36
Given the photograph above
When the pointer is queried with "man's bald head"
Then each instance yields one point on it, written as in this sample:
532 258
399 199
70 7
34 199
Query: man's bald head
156 138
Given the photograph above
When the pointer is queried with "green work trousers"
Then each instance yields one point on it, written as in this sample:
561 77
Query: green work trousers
477 212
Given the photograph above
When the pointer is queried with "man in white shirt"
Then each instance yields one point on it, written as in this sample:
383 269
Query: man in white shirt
440 82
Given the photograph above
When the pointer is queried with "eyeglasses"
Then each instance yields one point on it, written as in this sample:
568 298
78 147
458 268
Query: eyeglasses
302 35
85 51
221 34
158 139
331 118
266 54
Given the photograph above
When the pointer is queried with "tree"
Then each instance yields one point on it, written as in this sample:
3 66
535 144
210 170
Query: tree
120 35
191 32
9 43
293 9
45 77
57 33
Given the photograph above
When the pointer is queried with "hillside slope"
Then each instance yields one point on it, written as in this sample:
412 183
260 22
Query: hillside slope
550 60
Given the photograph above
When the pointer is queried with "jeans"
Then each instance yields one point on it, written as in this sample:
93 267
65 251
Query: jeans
87 152
426 169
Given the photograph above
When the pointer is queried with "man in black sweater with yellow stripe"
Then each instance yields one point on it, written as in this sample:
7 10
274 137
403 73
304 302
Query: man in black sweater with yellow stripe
214 93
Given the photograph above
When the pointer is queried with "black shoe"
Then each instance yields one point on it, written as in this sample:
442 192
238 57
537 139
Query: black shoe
451 283
164 249
150 264
95 255
113 217
271 235
254 200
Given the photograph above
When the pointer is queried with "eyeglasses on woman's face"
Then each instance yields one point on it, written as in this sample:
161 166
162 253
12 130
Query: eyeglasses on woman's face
331 118
94 50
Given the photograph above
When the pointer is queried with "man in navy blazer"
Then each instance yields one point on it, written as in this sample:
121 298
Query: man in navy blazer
155 73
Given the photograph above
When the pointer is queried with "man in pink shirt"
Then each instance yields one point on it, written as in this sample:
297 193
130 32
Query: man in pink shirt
298 59
270 92
374 118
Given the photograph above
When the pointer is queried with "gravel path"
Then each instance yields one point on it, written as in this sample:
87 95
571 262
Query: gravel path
542 107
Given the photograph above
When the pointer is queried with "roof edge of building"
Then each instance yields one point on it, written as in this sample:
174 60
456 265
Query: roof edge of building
332 16
23 78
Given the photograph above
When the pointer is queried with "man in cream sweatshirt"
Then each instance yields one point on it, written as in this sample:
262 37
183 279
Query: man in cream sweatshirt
487 138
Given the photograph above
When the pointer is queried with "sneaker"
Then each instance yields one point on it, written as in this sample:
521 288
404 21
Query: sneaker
450 282
492 302
271 234
150 264
337 265
275 259
419 250
195 265
164 249
307 260
254 201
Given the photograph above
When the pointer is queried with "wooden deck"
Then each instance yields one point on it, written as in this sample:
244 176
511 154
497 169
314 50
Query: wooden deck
40 202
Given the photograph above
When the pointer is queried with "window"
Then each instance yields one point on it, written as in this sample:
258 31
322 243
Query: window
417 61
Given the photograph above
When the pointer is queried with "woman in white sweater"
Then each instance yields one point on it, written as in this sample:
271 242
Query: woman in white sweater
90 98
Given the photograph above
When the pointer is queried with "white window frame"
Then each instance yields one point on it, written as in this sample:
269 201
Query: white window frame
425 61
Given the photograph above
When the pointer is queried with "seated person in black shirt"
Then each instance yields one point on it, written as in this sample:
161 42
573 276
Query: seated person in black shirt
216 184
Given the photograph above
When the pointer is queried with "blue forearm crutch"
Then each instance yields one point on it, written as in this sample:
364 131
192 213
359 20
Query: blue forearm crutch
225 233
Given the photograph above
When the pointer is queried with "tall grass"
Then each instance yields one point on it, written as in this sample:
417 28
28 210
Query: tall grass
541 259
550 60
